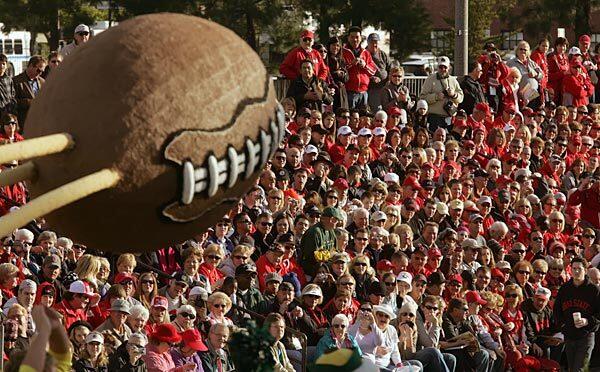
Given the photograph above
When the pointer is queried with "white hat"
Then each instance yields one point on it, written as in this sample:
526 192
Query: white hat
365 132
94 337
391 177
484 199
344 130
543 292
509 127
404 117
469 243
574 50
422 104
386 309
312 289
378 216
503 265
405 277
311 149
533 199
81 28
199 291
443 61
81 287
29 284
441 208
186 309
379 131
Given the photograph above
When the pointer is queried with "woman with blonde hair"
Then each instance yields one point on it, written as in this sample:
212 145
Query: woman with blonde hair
452 150
147 289
363 274
126 263
213 255
87 268
94 356
219 304
275 200
406 236
9 278
103 275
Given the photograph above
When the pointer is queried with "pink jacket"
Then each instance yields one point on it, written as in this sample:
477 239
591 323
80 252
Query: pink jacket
160 362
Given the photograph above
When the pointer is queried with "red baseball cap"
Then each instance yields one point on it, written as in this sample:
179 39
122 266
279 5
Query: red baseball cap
123 277
393 110
585 39
341 183
307 33
483 107
455 278
160 301
412 182
434 252
191 338
474 296
385 265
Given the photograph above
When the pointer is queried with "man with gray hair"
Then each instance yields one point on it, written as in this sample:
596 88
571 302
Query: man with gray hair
128 356
138 318
360 220
25 297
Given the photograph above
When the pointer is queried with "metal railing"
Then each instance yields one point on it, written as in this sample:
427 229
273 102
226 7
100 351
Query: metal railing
414 84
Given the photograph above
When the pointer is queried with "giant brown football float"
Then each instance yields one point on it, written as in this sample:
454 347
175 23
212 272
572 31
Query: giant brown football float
146 135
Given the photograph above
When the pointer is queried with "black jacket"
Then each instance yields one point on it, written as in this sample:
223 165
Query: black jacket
585 299
119 362
298 88
539 324
473 94
8 101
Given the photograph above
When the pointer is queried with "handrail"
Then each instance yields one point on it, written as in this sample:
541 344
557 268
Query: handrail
300 335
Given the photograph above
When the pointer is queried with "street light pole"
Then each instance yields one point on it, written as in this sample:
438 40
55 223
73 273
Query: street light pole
461 44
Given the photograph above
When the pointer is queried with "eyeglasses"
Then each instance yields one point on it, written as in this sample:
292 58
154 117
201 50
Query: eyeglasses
410 315
587 236
361 239
347 283
366 309
360 264
275 198
538 239
556 220
519 251
431 308
267 224
214 257
147 281
306 39
83 33
188 315
511 295
220 306
382 315
128 282
540 272
524 272
244 258
390 284
11 123
341 326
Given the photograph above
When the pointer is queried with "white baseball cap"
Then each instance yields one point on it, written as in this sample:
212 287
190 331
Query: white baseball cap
311 149
81 287
443 61
391 177
379 216
344 130
379 131
422 104
81 28
365 132
574 51
94 337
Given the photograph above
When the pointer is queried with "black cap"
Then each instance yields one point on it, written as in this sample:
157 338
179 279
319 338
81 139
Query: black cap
480 173
428 184
282 175
312 210
323 157
304 112
181 277
319 129
376 288
245 268
436 278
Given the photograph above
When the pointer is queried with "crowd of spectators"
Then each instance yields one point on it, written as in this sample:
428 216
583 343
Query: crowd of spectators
452 230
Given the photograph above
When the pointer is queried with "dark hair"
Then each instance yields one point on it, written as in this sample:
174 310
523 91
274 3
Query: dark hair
306 61
333 40
455 303
354 29
581 260
561 41
472 64
3 58
35 60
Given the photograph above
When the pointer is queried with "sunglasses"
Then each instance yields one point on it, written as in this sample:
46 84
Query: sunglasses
360 264
511 295
524 272
431 308
366 309
519 251
590 236
83 33
220 306
147 281
214 257
188 315
410 315
347 283
537 239
361 239
306 39
269 224
241 257
540 272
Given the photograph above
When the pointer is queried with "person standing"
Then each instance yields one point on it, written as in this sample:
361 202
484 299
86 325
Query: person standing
472 89
443 94
380 78
7 88
81 35
360 69
576 311
319 241
27 86
291 65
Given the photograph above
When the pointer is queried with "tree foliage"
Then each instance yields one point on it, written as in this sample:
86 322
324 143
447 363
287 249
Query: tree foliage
53 18
539 17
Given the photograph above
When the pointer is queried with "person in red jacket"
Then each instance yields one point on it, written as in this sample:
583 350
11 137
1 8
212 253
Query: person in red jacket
360 69
539 56
290 67
577 87
79 297
558 68
588 196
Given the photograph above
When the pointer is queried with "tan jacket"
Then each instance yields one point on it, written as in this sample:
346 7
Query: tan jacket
432 86
282 363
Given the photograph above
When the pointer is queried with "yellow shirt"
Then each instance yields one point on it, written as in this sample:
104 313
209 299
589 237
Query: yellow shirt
63 363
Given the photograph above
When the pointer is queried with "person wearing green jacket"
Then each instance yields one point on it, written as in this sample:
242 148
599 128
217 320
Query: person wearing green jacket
319 241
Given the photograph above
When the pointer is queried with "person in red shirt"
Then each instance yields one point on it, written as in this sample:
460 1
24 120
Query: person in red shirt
558 68
338 151
269 262
213 255
577 86
539 56
290 67
360 69
73 307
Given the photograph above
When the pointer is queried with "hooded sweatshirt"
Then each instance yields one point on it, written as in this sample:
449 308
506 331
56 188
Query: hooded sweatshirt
585 299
